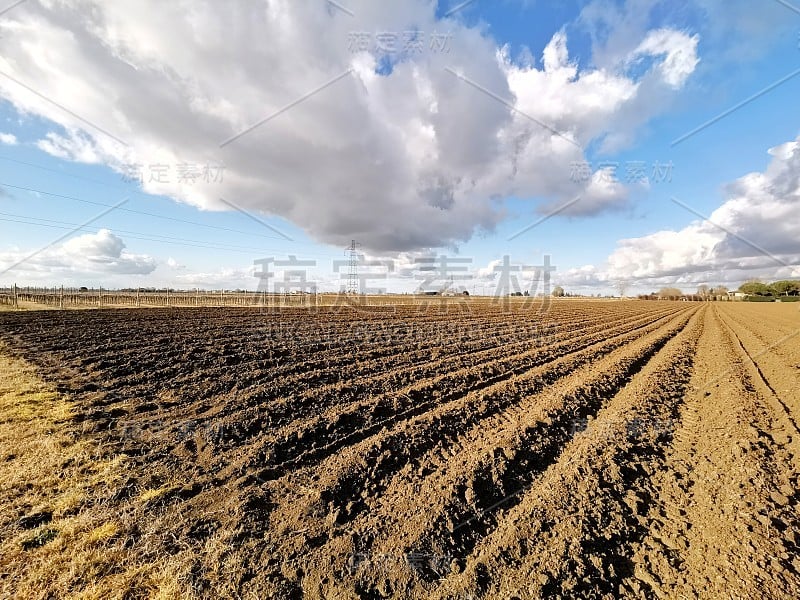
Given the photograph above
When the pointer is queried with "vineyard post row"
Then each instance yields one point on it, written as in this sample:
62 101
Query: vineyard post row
65 297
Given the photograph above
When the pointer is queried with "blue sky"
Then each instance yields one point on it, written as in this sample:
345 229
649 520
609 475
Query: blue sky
450 149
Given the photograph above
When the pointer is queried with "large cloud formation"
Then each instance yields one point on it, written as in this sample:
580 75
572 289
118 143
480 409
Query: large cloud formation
411 148
754 233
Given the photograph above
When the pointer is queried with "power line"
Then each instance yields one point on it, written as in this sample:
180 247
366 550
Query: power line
130 210
141 212
132 236
128 190
148 237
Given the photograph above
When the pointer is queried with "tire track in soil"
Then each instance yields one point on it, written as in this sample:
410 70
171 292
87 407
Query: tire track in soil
781 341
511 448
784 319
725 523
770 365
572 532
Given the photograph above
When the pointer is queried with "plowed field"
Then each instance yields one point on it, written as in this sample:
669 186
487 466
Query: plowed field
598 449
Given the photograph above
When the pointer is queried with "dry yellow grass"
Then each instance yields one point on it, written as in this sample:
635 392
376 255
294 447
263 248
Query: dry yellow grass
25 306
153 494
58 538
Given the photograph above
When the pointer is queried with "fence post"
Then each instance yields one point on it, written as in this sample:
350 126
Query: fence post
14 293
61 299
137 297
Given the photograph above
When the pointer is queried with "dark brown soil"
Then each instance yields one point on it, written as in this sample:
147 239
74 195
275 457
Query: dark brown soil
634 449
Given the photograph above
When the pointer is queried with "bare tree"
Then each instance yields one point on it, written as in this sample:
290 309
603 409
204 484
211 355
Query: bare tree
621 285
720 291
669 293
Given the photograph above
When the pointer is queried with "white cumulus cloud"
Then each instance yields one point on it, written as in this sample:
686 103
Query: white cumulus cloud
98 254
754 233
406 151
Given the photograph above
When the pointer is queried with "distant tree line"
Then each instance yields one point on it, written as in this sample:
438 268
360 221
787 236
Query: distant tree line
785 287
704 292
752 290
